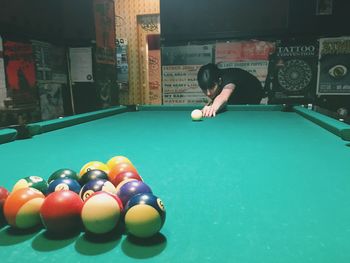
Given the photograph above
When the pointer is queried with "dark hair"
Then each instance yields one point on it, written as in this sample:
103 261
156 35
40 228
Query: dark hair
208 76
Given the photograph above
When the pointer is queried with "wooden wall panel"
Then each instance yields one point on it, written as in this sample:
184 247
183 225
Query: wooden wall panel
126 27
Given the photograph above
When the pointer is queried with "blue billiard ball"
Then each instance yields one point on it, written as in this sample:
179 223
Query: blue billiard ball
64 184
144 215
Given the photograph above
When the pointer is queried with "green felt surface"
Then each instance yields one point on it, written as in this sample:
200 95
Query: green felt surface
246 186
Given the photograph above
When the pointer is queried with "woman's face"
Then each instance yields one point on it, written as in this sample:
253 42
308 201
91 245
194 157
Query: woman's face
212 92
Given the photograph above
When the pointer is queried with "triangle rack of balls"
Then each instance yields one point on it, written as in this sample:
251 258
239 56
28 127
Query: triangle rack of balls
99 199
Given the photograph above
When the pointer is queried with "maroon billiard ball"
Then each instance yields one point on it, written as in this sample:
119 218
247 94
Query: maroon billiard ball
4 193
60 212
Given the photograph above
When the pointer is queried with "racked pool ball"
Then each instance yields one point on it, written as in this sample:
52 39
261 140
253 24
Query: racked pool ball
119 168
36 182
92 175
144 215
132 188
126 175
95 186
93 165
64 184
21 208
60 212
116 160
101 212
63 173
4 193
196 115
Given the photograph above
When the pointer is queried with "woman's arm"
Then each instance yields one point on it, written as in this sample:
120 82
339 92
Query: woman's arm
210 110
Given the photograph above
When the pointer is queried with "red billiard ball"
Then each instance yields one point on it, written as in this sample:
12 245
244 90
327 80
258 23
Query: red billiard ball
101 212
120 168
126 175
144 215
4 193
132 188
60 212
21 208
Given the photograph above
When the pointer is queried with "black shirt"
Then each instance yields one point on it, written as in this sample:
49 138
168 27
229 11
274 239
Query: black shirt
248 89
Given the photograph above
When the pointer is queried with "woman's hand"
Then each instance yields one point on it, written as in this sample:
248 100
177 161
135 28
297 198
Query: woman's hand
209 111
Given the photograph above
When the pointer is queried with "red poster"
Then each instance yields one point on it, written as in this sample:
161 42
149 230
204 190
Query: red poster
105 31
20 72
20 64
243 51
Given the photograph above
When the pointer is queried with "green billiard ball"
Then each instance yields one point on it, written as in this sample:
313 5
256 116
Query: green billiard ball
63 173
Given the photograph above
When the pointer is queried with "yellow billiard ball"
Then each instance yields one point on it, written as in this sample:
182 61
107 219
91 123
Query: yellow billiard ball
196 115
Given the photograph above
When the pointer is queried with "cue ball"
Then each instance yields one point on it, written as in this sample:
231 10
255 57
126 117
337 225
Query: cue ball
196 115
144 215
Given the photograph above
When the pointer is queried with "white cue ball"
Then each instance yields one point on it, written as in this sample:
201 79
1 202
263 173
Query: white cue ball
196 115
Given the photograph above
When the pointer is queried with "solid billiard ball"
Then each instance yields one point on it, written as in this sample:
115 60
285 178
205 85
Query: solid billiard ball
119 168
64 184
132 188
101 212
95 186
93 165
126 175
36 182
4 193
21 208
92 175
63 173
60 212
144 215
196 115
117 159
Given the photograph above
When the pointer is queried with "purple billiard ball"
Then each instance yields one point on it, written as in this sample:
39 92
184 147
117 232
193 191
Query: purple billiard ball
132 188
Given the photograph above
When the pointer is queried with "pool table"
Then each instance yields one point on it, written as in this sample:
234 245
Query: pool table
254 184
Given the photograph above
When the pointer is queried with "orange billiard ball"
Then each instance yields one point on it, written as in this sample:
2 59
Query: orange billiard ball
21 208
119 168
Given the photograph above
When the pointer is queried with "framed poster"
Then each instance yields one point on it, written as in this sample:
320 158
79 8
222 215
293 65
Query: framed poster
81 64
334 66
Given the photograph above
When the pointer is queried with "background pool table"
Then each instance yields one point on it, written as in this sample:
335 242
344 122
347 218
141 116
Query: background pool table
254 184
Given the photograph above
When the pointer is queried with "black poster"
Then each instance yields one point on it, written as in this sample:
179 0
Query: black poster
292 72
